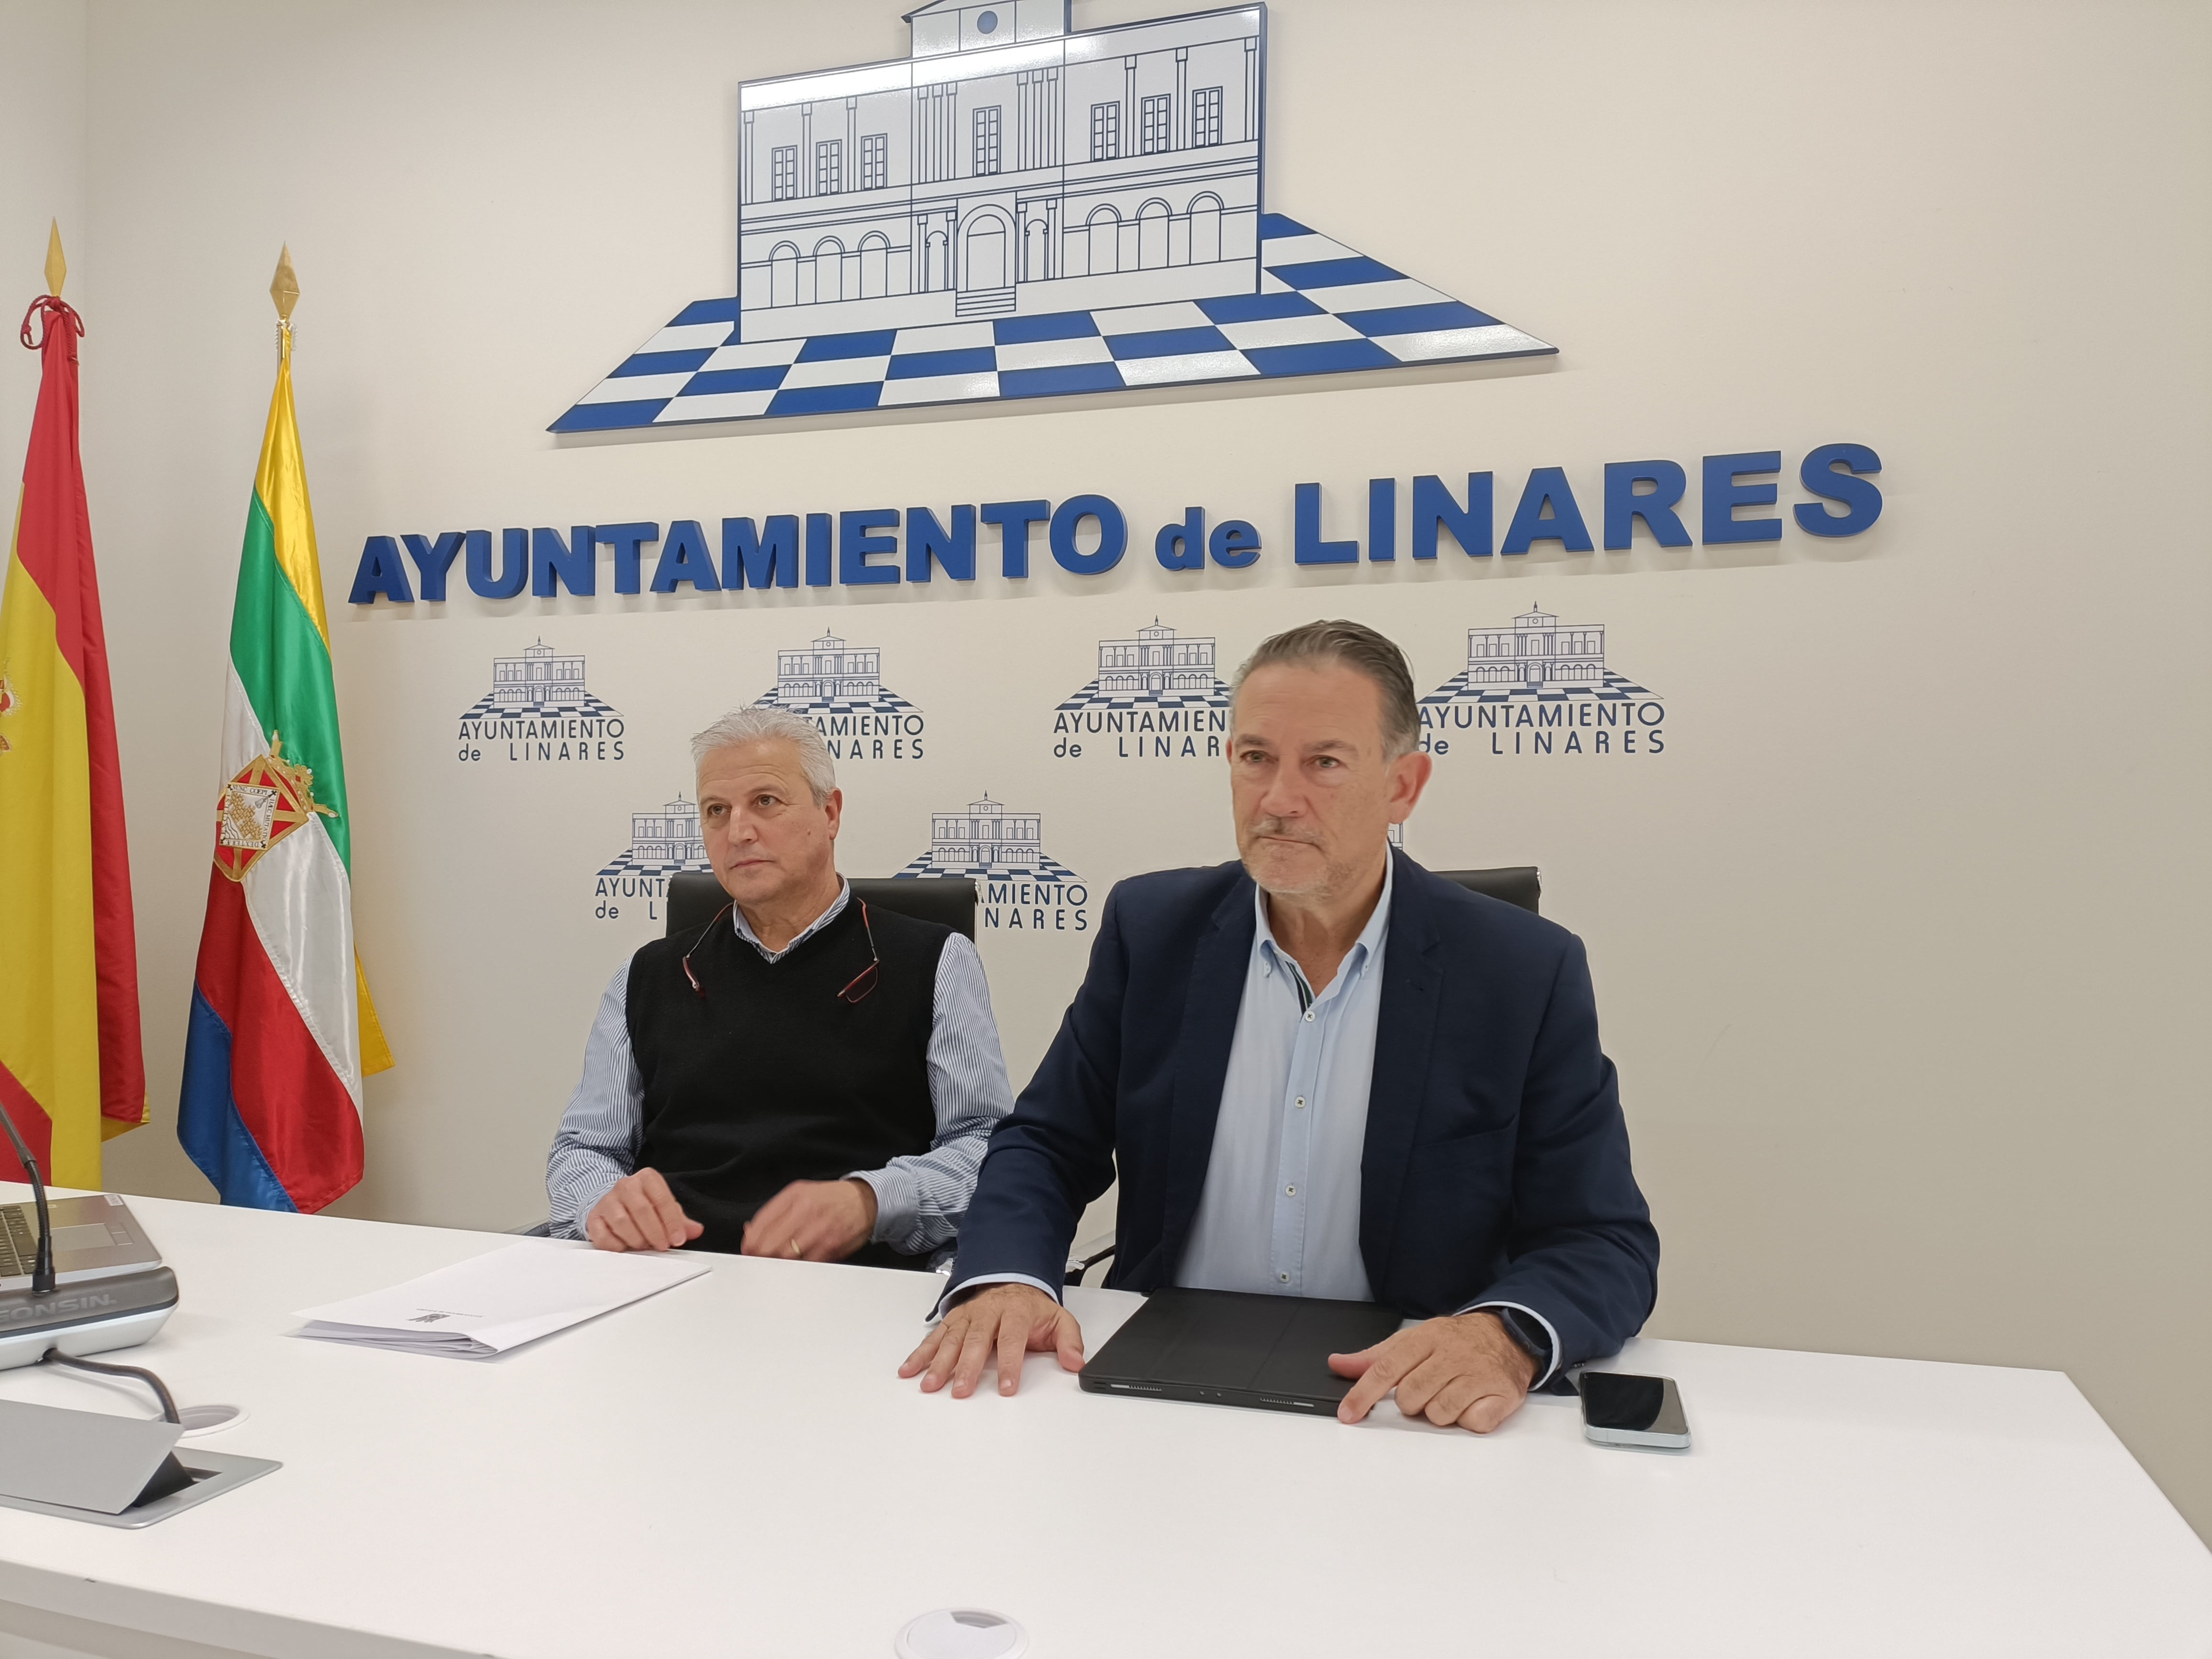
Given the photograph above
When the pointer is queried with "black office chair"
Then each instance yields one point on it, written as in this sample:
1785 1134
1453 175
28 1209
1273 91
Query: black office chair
1516 884
693 896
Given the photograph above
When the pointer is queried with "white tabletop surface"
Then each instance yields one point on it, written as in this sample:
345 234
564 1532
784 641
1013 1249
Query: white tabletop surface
733 1468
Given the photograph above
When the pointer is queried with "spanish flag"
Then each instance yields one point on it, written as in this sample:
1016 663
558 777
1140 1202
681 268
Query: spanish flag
282 1028
71 1070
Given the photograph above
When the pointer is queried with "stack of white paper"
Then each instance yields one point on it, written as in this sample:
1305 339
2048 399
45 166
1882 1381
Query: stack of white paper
491 1304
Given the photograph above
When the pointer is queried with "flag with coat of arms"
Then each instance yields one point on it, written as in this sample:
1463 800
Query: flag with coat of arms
281 1029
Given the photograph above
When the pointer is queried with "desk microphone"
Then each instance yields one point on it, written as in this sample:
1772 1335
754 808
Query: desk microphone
118 1293
110 1312
42 1266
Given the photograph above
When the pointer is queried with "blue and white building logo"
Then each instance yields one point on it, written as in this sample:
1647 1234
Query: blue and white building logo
538 708
1020 208
1541 687
1156 698
1022 887
662 841
840 687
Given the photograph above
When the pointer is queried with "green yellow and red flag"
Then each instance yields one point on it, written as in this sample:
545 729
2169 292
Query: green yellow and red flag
71 1071
281 1029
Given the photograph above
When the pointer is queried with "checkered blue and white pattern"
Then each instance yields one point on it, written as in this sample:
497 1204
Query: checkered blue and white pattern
886 701
1047 868
631 862
1464 688
1091 697
1322 308
586 706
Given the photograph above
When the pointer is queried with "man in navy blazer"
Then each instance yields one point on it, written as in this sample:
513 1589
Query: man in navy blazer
1323 1070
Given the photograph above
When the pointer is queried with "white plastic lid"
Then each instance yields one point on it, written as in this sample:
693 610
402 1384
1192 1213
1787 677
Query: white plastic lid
209 1420
962 1633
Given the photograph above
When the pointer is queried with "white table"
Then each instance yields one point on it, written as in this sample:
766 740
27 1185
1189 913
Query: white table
733 1468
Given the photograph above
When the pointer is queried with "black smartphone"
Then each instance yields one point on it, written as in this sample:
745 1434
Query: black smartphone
1623 1410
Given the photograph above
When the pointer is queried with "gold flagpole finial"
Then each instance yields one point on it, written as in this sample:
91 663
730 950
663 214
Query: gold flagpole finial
57 267
284 287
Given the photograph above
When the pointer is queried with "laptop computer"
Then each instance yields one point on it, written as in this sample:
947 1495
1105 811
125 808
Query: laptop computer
1233 1348
96 1237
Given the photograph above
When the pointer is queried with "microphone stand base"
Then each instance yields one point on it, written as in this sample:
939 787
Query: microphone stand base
86 1317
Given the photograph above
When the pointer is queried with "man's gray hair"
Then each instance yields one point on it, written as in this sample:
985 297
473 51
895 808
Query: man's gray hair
1354 646
763 723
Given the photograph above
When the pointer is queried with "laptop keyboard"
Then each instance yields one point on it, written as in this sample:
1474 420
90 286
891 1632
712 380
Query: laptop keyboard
19 1243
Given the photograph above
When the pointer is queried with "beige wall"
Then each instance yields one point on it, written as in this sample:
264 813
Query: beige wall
42 134
1900 945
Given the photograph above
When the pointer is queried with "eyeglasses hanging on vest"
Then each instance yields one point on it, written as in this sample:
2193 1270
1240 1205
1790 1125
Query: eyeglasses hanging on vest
856 989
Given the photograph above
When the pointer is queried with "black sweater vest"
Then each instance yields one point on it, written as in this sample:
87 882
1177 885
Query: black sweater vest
766 1076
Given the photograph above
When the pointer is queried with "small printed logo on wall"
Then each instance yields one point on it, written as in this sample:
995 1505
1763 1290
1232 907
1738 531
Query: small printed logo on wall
840 688
538 709
1021 889
661 843
1156 698
1541 687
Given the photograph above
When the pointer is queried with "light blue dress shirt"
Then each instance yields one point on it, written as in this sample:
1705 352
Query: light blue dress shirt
920 1198
1279 1211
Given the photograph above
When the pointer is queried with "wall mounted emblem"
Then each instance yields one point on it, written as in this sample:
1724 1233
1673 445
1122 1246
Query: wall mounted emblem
1021 887
840 687
539 709
662 841
1156 697
1020 208
1541 687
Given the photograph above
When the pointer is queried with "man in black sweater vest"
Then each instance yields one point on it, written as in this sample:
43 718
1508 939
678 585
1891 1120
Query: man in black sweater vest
803 1077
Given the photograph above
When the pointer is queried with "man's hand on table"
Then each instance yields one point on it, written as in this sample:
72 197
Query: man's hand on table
813 1221
639 1213
1007 1320
1464 1370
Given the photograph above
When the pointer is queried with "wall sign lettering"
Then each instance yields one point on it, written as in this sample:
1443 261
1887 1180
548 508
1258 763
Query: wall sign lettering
1089 535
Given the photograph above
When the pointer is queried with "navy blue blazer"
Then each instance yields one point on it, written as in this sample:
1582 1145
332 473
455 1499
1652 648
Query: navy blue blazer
1496 1160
